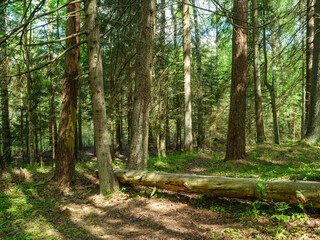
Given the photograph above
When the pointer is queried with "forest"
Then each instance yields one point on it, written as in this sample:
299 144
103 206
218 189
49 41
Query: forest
159 119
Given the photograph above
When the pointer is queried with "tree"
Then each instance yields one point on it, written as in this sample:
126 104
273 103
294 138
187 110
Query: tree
257 81
4 94
140 117
309 53
236 142
107 179
200 134
188 142
313 130
29 91
65 164
161 139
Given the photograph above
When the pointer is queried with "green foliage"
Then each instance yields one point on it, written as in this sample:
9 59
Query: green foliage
174 162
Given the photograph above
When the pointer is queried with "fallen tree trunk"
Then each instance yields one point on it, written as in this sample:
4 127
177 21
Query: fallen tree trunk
294 192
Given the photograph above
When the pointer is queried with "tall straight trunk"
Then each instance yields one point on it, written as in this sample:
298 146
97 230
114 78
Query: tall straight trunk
112 137
162 97
52 124
108 181
111 114
6 138
236 141
167 123
36 145
29 95
188 142
79 124
21 122
309 53
140 118
257 81
129 99
273 92
65 164
303 95
40 139
313 130
271 87
177 96
52 129
200 138
119 126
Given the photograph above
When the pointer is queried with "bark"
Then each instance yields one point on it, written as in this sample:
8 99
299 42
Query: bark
200 138
271 87
65 164
107 179
144 65
178 142
293 192
6 136
303 95
236 142
52 129
188 142
162 95
119 126
272 91
309 53
4 97
167 123
80 143
129 99
29 95
257 81
313 130
52 124
21 122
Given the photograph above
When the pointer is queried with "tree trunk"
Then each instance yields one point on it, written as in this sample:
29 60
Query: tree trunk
272 91
140 120
271 88
6 138
177 96
21 121
80 143
188 142
294 192
257 80
65 164
303 96
167 123
52 129
129 99
162 92
309 53
29 94
107 179
313 131
236 141
200 138
119 126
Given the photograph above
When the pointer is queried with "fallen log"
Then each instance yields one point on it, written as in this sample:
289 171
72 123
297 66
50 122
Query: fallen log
293 192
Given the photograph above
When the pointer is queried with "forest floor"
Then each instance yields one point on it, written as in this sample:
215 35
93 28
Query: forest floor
33 207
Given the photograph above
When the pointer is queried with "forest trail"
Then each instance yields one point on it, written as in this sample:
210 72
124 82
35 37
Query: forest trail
143 213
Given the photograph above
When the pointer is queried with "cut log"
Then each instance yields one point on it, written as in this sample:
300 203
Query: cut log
293 192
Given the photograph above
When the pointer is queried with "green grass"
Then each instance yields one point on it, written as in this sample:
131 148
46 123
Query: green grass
293 160
173 163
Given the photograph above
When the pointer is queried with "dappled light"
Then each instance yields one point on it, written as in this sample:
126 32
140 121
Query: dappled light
159 119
